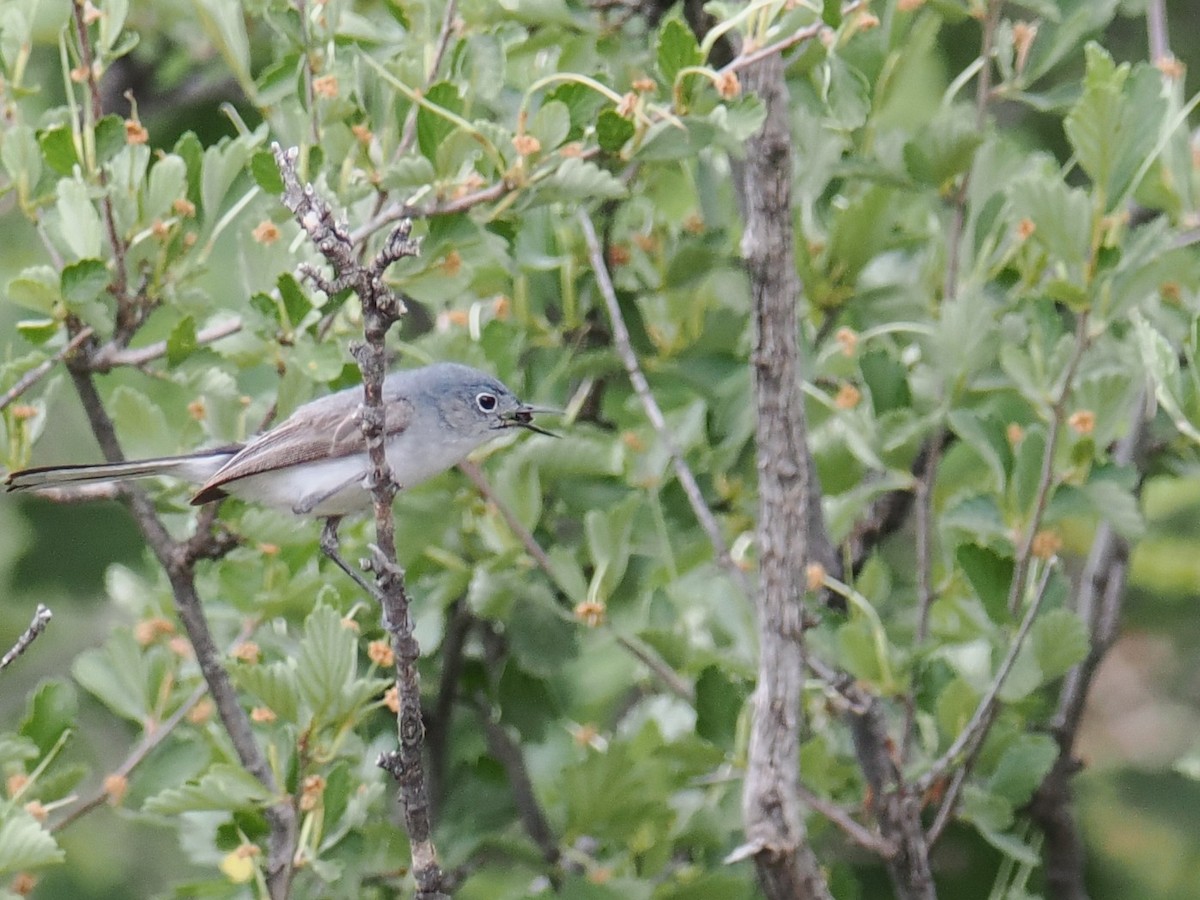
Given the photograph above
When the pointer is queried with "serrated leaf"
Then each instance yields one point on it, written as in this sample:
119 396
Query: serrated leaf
608 535
25 844
38 331
275 684
613 130
37 287
83 282
223 787
433 128
50 711
295 302
1117 121
181 342
1162 366
1022 766
110 137
986 436
551 124
1060 641
677 49
140 422
541 640
78 221
58 149
117 674
409 172
167 183
325 662
22 158
1061 215
990 575
578 179
266 172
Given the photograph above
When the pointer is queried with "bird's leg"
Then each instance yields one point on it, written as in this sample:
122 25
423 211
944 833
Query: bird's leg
329 546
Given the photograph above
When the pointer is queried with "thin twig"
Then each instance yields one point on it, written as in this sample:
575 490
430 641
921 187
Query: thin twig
150 739
1157 31
41 618
976 729
400 211
507 752
34 375
1046 476
853 829
624 347
983 89
797 37
110 356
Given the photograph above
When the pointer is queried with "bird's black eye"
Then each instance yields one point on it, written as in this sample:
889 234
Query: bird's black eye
486 402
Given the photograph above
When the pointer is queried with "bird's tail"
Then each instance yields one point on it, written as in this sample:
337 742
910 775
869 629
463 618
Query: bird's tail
193 467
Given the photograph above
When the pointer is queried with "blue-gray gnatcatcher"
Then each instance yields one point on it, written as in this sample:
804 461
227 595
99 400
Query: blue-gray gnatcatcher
315 462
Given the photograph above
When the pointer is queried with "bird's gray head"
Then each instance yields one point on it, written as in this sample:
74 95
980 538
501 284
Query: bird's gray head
474 404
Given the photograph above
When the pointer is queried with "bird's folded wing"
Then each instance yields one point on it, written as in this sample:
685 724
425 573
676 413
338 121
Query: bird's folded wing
314 433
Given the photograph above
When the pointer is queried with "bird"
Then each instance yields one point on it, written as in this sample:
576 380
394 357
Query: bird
315 462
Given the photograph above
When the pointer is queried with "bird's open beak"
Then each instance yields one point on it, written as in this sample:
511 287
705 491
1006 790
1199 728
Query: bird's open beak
523 418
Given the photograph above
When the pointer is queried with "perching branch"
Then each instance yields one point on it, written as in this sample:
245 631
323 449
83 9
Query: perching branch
381 308
41 618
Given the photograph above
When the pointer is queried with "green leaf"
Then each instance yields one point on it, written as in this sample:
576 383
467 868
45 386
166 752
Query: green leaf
1116 123
38 331
141 423
1022 767
677 49
295 302
1062 216
719 703
1060 641
613 130
608 535
120 676
433 128
167 183
541 639
83 282
1162 366
275 684
50 711
578 179
22 158
266 172
551 124
24 843
78 221
181 342
990 575
944 148
325 662
37 287
985 435
58 149
223 787
110 137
